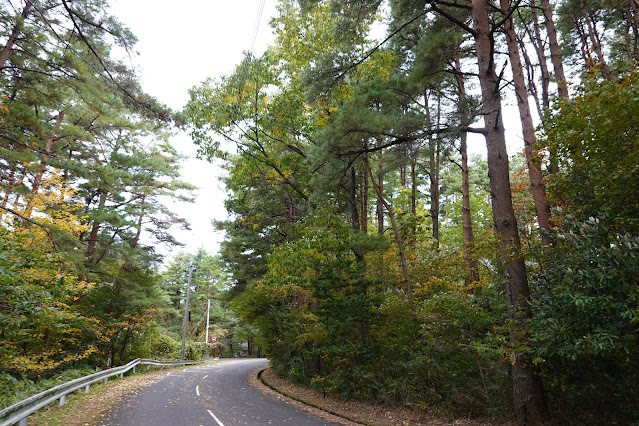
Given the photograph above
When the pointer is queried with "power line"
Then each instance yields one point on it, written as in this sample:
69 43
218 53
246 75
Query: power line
256 27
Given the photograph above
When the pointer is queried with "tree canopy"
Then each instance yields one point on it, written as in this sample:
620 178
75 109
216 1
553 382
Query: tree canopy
377 259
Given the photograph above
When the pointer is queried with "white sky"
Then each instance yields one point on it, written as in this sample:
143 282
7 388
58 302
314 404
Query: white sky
180 45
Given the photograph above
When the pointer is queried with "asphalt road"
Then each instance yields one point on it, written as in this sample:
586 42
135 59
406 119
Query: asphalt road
212 394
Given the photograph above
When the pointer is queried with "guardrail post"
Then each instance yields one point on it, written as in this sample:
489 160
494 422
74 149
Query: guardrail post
106 380
134 369
23 422
63 399
121 375
86 388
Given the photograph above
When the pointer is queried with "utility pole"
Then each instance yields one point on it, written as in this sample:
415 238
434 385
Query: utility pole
186 310
206 339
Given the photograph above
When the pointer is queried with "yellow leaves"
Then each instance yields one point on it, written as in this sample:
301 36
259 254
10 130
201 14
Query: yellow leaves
475 285
53 205
324 115
5 109
49 360
378 66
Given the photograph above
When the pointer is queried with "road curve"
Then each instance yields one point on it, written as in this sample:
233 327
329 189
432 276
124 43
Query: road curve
216 394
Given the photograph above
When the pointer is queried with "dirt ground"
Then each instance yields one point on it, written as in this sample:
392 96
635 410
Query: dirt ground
356 412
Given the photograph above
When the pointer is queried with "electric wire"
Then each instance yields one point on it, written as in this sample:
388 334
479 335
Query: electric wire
249 58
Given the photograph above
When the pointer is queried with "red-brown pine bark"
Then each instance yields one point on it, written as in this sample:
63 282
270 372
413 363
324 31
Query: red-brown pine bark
17 28
537 185
528 395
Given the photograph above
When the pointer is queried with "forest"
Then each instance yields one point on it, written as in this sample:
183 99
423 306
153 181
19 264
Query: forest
87 175
385 242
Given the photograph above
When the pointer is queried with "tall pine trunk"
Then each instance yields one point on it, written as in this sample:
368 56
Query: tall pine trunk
537 185
558 66
541 56
17 28
413 192
528 395
555 50
379 185
363 198
95 229
467 222
434 189
44 162
398 237
433 173
596 43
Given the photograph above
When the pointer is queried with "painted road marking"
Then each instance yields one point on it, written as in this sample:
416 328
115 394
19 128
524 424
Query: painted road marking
197 390
205 377
215 418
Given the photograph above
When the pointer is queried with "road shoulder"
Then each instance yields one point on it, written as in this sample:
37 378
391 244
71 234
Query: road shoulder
349 412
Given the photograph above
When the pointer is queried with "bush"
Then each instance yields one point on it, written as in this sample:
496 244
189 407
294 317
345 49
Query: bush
585 327
15 389
165 348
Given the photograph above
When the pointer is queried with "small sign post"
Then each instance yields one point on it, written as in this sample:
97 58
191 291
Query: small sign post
214 340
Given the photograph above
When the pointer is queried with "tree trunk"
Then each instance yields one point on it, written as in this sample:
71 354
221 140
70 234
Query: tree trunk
413 198
17 28
134 242
541 56
354 205
402 179
398 237
363 199
634 7
434 189
95 229
380 186
528 395
558 66
555 51
583 47
535 176
594 39
467 223
532 86
37 181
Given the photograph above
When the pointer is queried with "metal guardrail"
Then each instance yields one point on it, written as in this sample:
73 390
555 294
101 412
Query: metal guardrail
20 412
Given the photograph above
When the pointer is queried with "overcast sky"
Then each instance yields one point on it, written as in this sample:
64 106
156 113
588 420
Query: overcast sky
180 45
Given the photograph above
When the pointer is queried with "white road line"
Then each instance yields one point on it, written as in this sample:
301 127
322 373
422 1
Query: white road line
197 390
205 377
215 418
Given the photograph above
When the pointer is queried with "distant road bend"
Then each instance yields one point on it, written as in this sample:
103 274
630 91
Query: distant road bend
212 394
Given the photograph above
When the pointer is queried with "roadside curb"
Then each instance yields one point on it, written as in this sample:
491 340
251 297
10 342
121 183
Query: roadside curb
309 404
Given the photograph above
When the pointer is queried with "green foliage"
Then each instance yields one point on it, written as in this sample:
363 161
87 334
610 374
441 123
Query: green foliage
596 137
326 297
86 168
585 328
321 322
13 390
164 347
